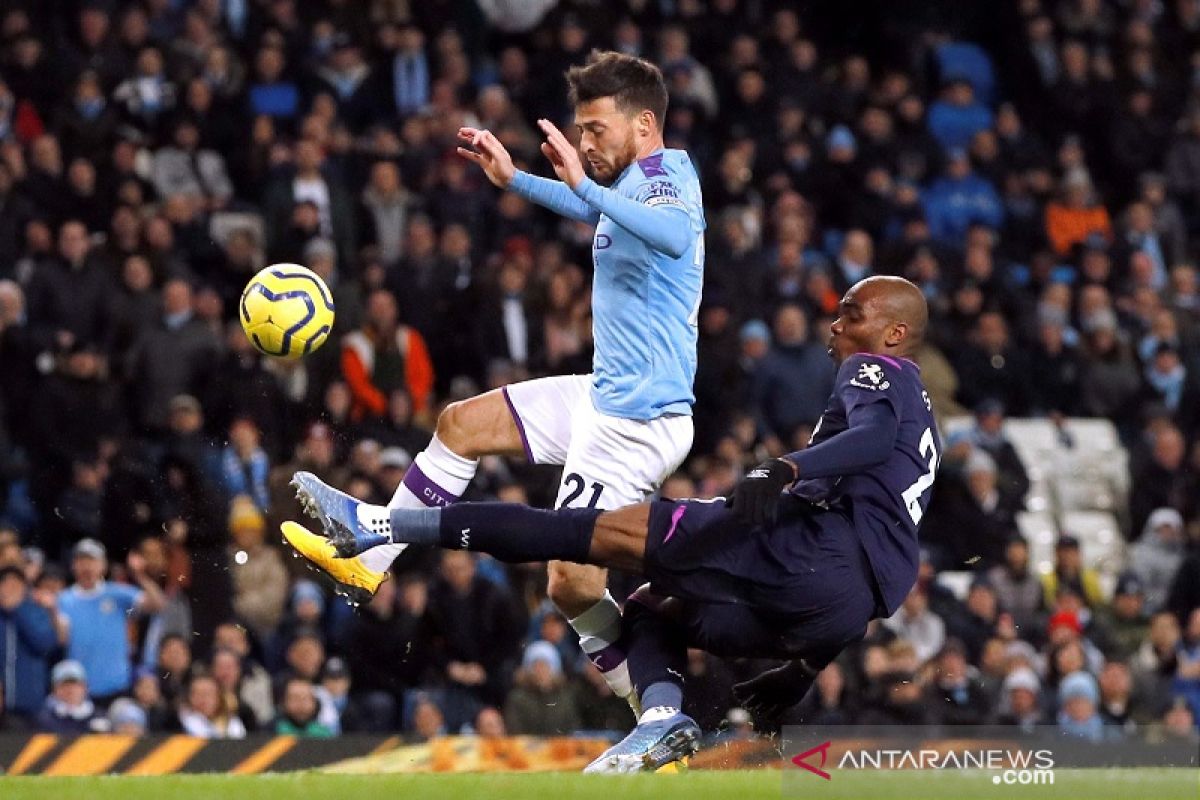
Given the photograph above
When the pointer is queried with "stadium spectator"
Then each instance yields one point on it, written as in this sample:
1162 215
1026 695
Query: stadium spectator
175 357
226 669
387 205
1124 620
125 717
245 464
473 630
298 710
915 623
185 168
1070 573
385 355
1157 556
1018 587
260 580
256 689
959 199
1118 706
426 720
956 695
541 702
307 179
69 709
793 381
147 694
27 640
988 435
204 713
1187 674
174 666
1019 700
97 610
957 116
1077 714
1077 216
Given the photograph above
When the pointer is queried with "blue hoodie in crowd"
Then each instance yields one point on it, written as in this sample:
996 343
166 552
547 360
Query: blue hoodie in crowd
954 204
27 640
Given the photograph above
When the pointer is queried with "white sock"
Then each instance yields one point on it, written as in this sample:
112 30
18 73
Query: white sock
657 713
599 628
438 477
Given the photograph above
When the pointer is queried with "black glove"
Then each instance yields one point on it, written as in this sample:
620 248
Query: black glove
773 692
755 499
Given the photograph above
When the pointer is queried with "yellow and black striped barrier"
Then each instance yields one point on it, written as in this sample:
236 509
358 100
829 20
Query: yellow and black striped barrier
114 754
104 754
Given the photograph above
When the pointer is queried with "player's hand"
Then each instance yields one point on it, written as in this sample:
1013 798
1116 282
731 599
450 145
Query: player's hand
491 156
755 500
562 154
770 694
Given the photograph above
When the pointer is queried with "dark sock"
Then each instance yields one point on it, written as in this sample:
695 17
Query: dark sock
657 653
416 525
507 531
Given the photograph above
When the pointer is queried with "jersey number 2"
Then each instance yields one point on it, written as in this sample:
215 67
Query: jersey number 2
912 495
577 481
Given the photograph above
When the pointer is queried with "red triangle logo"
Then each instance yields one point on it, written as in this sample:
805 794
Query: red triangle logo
801 760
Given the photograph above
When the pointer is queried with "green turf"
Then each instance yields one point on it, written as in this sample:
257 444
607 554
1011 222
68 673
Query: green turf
1152 784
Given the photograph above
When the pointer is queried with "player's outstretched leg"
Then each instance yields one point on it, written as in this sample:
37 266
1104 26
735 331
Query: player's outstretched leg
506 531
438 476
657 660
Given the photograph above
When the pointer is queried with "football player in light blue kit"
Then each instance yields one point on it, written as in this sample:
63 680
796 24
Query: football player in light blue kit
622 430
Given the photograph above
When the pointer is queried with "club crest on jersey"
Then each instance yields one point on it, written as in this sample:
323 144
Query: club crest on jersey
870 376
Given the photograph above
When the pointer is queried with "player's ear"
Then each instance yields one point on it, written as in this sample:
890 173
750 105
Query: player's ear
646 122
896 334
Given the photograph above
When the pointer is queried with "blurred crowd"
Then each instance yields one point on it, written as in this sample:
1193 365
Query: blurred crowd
1033 166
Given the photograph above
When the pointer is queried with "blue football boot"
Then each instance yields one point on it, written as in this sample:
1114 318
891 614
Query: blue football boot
650 745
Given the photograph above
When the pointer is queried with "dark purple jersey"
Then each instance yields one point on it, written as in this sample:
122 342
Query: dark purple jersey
888 500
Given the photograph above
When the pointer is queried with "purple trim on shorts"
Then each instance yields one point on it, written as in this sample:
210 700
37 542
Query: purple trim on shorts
608 658
675 517
426 490
520 424
890 360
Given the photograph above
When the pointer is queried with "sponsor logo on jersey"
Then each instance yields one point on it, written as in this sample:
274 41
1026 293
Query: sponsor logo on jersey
870 376
602 241
465 538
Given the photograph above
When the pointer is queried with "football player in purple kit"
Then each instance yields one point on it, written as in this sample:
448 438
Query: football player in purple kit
809 548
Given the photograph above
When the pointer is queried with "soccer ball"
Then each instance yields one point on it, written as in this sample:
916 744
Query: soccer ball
286 311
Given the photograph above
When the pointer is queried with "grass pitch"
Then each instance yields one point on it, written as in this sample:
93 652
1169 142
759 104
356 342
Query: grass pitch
1078 784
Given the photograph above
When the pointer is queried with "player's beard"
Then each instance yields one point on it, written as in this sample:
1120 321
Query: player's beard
628 156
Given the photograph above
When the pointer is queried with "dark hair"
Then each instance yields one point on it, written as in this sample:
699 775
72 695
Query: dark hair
633 83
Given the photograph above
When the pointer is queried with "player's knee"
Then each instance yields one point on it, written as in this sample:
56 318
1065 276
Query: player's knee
571 589
454 429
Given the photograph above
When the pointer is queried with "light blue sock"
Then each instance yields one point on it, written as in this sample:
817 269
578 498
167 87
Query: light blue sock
416 525
664 694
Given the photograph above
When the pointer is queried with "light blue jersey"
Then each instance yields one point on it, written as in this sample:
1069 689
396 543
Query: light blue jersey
649 271
99 633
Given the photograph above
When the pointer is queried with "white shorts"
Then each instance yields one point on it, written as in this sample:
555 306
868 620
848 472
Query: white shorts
608 462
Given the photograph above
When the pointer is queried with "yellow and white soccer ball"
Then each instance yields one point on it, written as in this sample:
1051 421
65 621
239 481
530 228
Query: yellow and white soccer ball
286 311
